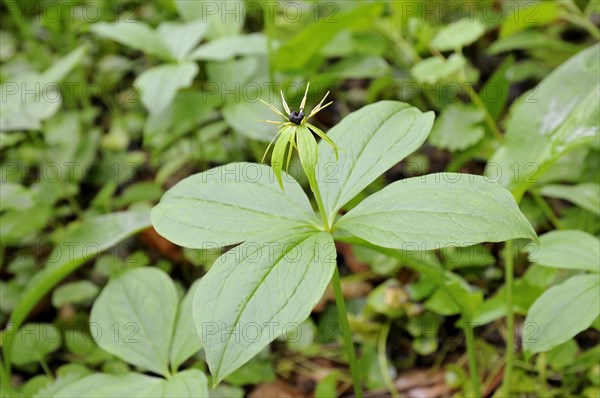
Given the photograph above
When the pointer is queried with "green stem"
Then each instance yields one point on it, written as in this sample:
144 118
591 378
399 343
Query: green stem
510 317
269 31
582 22
541 365
471 352
489 120
545 207
46 369
382 359
348 343
321 206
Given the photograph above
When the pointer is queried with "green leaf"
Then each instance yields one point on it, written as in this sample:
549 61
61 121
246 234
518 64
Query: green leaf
221 15
585 195
458 35
135 316
458 127
432 70
15 196
316 35
230 204
26 112
494 94
75 292
245 118
190 384
254 292
82 243
560 114
34 341
158 85
568 249
185 340
230 47
562 312
136 35
529 14
437 210
371 140
181 38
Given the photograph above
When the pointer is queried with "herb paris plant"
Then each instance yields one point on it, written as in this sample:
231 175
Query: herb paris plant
287 257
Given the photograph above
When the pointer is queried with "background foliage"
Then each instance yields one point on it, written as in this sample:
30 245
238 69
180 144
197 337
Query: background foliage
107 104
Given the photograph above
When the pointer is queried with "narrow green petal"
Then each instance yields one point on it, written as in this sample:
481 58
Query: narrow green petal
324 136
279 152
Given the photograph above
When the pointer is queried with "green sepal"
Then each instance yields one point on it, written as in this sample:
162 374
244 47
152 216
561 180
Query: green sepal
324 136
279 152
307 149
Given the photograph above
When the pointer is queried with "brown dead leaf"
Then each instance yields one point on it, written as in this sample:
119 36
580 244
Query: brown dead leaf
152 239
277 389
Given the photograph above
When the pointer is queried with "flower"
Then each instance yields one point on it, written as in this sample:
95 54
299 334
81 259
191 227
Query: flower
297 133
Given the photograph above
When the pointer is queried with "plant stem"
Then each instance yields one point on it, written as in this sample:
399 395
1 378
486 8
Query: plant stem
46 369
382 359
321 207
548 212
510 316
268 24
489 120
348 343
541 365
583 22
471 352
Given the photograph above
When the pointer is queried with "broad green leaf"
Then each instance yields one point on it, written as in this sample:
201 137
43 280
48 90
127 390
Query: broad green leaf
43 99
560 114
75 292
181 38
529 14
245 118
136 35
34 341
585 195
15 196
134 318
185 340
458 35
533 40
254 292
189 384
371 140
230 204
316 35
108 385
353 67
494 94
158 85
225 17
63 66
438 210
568 249
432 70
562 312
81 244
458 127
230 47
